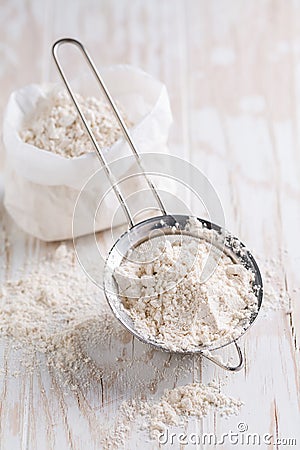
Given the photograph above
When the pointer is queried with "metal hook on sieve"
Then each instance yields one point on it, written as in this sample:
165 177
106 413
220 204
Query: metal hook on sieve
235 368
121 122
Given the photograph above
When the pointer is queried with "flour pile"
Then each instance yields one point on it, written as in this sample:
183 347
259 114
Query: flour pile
173 408
56 127
162 292
56 311
192 400
49 299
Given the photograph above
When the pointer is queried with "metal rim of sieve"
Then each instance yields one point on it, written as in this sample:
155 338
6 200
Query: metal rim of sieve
140 231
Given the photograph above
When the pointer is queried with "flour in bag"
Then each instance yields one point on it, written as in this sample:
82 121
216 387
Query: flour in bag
56 127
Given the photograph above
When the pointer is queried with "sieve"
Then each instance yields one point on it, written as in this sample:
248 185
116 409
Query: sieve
164 224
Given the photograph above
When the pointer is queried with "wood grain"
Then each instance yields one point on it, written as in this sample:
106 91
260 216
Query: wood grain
232 71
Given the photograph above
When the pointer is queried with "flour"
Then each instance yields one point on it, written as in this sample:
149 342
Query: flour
161 290
276 297
173 408
56 126
29 304
56 311
192 400
55 318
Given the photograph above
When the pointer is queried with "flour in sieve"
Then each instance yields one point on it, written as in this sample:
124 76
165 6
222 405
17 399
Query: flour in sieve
161 290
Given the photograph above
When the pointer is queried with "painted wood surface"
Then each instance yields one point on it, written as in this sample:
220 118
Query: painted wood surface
232 71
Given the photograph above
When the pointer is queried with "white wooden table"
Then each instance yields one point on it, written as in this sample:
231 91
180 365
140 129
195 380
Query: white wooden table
232 69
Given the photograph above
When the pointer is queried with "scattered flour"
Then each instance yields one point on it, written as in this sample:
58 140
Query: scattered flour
276 296
55 318
192 400
173 409
161 290
56 311
56 127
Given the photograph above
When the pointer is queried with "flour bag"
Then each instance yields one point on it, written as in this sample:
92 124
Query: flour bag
41 187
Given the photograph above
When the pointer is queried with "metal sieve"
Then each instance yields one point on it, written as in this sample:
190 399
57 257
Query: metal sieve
164 224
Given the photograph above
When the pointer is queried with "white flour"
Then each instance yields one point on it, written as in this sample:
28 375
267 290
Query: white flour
276 296
57 311
173 409
56 316
192 400
161 290
41 303
56 126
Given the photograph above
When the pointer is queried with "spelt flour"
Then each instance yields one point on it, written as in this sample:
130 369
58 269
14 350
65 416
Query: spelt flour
56 316
56 311
174 408
192 400
276 297
161 290
57 128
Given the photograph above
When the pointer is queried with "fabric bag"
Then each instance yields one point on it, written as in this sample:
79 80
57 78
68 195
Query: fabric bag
41 187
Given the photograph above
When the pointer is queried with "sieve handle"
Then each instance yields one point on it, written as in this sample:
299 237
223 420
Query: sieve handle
236 368
117 115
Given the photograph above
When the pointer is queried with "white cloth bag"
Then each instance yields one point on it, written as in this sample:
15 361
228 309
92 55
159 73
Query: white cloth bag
41 187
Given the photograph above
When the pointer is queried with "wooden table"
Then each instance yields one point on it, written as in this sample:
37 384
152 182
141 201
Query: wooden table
232 69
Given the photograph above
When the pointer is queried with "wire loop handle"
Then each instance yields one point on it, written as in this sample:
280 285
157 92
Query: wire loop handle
120 121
